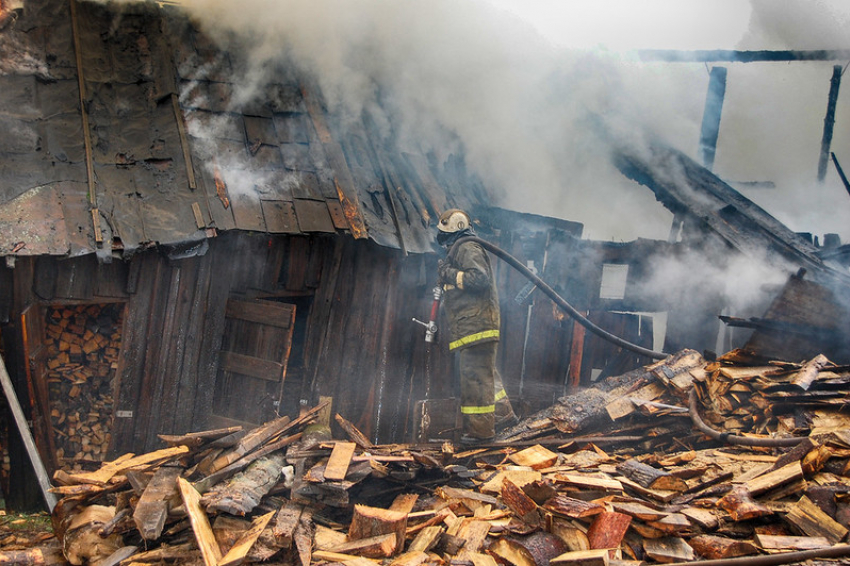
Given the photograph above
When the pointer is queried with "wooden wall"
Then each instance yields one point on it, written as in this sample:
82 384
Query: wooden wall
360 345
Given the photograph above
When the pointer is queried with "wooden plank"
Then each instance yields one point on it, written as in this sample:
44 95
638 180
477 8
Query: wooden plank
574 508
286 522
608 529
535 457
26 436
521 504
715 547
404 502
269 370
200 523
339 460
589 482
262 312
785 542
199 218
671 549
280 217
110 469
237 553
593 557
810 519
775 478
152 509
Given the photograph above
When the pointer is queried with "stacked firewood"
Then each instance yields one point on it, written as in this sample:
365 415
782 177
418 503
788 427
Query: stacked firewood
744 394
82 345
286 493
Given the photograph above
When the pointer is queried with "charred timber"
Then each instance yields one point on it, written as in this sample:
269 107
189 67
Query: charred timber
734 56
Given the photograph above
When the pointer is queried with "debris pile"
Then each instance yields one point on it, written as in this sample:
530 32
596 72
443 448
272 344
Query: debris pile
646 486
82 347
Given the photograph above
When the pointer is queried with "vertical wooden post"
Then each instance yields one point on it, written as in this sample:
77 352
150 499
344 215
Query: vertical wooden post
711 116
576 356
829 122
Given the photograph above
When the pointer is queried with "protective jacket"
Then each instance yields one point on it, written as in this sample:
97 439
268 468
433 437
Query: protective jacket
471 300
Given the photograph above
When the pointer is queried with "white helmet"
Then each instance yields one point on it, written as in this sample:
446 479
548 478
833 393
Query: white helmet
453 220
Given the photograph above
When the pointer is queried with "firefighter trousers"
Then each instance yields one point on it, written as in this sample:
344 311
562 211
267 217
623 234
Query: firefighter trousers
482 396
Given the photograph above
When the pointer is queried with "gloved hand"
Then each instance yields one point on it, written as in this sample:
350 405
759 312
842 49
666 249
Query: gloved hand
447 273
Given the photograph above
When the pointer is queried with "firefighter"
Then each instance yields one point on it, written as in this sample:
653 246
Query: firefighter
472 305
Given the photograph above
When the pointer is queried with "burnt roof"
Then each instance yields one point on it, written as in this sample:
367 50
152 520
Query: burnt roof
156 151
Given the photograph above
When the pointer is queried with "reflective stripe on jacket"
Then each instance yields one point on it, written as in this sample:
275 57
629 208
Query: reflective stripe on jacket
473 310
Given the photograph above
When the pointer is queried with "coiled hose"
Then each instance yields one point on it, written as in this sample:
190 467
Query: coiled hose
605 335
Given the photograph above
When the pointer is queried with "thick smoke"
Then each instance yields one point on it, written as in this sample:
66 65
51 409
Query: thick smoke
462 75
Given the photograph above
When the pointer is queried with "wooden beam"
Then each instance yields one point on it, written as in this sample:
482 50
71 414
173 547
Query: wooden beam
734 56
829 122
710 130
200 523
26 436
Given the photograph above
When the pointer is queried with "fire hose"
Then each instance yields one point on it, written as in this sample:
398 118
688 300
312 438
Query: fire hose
431 330
560 301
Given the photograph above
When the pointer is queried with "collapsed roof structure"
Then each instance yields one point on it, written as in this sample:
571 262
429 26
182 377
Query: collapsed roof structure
245 258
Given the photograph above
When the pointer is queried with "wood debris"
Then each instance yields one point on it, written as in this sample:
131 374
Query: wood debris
642 484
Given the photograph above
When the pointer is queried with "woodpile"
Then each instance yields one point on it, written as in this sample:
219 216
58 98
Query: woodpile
82 343
617 475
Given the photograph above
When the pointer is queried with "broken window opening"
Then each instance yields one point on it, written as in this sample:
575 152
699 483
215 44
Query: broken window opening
614 278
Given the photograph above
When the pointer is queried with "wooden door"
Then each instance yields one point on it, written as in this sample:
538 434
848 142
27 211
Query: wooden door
252 363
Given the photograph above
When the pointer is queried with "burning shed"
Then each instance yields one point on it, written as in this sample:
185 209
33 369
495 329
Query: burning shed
180 257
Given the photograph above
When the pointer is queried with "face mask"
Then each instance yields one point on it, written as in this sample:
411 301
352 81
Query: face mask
444 237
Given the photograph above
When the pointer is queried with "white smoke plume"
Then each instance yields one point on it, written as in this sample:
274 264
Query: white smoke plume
516 97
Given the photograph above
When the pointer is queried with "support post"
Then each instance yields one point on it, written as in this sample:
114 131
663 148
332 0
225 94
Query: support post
711 116
829 122
26 435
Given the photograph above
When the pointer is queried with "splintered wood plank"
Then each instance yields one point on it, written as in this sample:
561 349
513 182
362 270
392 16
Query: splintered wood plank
339 461
741 506
404 502
651 478
638 510
608 529
200 523
237 553
536 549
809 518
519 477
341 558
775 478
589 482
379 546
409 558
715 547
670 549
624 406
110 469
286 522
574 508
326 538
536 457
784 542
152 509
479 558
426 539
594 557
305 532
522 505
474 532
702 517
353 433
